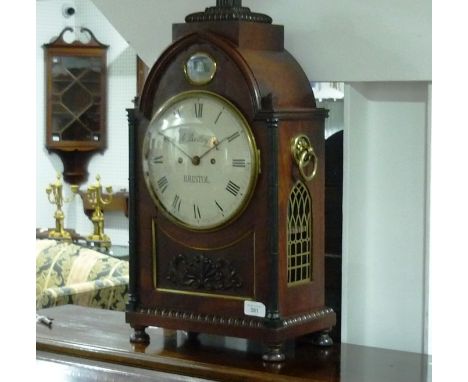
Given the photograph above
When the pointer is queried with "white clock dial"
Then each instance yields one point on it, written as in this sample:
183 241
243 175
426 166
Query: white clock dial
200 160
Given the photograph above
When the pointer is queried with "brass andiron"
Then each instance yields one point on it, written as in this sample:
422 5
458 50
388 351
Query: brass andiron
55 196
98 201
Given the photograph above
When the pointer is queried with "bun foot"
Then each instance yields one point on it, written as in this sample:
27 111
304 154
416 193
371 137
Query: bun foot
322 339
274 353
139 336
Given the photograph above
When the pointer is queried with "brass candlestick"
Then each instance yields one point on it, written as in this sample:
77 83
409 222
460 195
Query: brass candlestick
98 201
55 195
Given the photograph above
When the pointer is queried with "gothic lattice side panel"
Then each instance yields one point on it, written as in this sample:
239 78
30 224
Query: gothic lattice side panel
299 234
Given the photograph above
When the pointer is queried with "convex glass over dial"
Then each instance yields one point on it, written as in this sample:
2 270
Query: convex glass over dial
200 160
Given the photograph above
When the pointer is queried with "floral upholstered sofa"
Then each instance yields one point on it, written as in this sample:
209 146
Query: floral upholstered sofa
68 273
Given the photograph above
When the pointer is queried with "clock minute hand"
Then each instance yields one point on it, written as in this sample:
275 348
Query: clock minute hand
176 146
215 145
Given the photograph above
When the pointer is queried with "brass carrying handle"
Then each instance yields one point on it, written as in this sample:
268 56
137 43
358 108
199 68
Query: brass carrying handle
304 154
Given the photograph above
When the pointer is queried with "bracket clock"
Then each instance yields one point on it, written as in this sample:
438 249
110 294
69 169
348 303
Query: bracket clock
227 186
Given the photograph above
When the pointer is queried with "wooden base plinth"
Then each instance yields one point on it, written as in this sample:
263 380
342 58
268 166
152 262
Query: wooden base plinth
243 327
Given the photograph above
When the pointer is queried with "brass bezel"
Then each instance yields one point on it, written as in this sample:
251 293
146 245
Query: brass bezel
204 82
254 152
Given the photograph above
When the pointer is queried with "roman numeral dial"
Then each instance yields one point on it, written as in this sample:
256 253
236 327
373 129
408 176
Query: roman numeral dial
241 163
158 160
200 161
199 110
234 136
163 184
233 188
176 203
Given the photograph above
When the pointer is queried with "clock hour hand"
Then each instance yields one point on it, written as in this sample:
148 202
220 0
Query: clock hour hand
177 146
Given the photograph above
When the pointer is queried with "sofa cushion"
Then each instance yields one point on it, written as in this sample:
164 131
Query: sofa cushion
107 293
69 273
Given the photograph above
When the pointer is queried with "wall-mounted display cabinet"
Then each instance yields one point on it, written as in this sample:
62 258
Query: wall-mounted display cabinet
76 99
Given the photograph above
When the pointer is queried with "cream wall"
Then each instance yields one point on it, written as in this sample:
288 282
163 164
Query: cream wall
384 215
113 165
381 40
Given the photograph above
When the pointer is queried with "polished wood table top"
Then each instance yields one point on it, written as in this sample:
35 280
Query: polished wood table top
93 344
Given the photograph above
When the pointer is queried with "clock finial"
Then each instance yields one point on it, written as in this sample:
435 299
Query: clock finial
228 10
229 3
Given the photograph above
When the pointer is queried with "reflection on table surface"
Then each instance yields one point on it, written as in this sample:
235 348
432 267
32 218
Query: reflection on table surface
96 342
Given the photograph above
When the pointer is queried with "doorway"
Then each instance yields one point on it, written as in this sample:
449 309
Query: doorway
330 95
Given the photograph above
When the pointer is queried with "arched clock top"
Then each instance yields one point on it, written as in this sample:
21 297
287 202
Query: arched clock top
283 84
166 79
267 80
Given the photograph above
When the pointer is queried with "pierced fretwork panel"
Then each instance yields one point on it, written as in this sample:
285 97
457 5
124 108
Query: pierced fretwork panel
299 234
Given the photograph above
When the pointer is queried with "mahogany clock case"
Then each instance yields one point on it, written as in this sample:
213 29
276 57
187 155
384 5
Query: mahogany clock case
267 85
